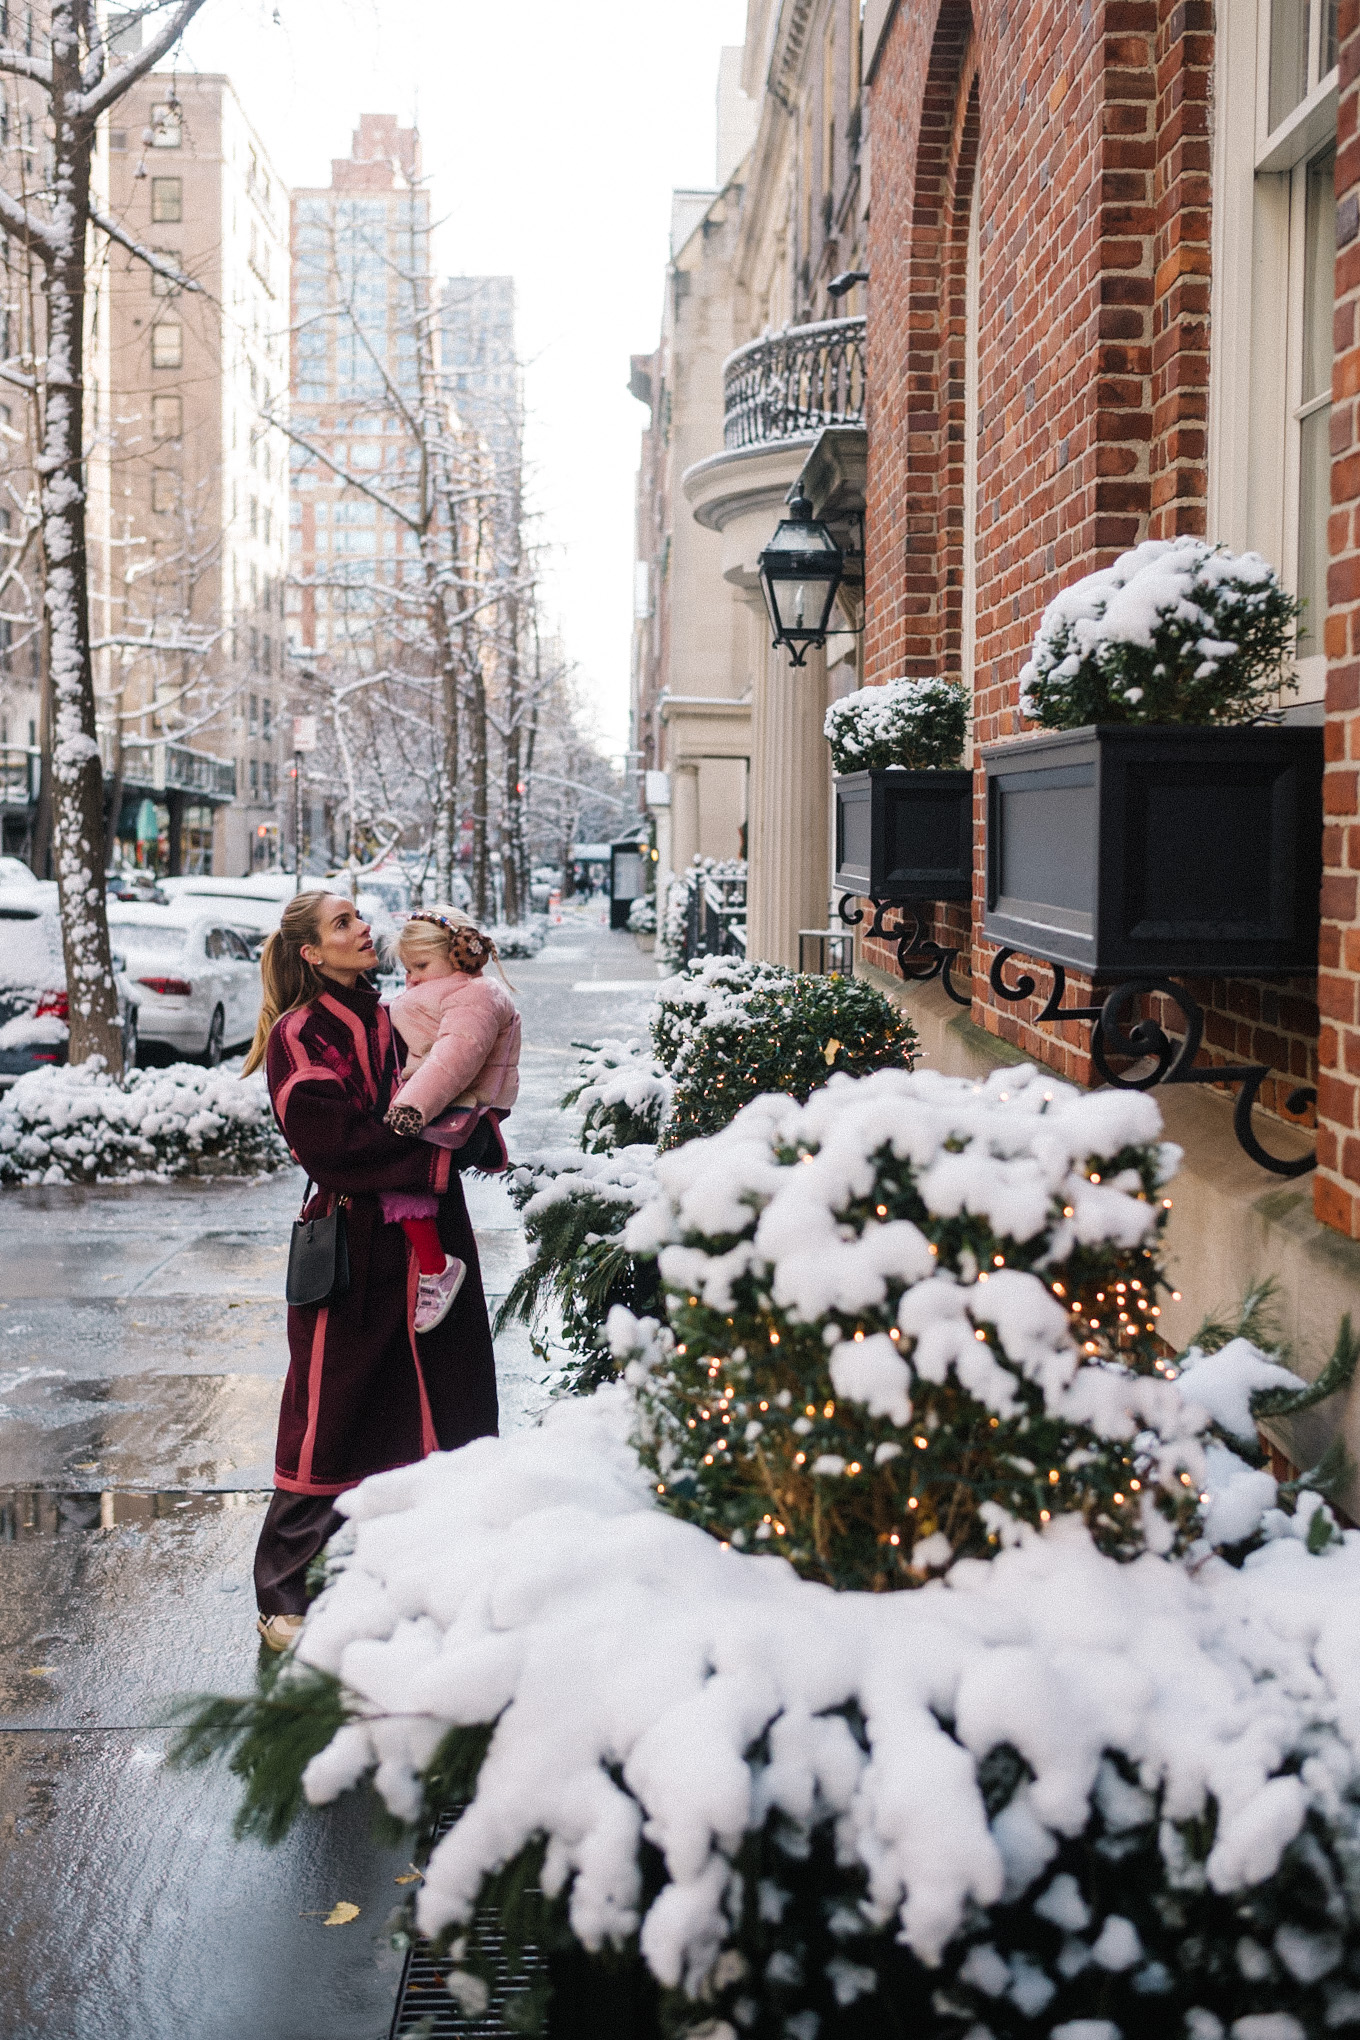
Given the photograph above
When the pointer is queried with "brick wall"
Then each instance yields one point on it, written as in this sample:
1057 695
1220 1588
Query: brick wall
1336 1189
1088 126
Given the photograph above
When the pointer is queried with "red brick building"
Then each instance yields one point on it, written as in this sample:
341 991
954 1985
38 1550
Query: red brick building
1100 310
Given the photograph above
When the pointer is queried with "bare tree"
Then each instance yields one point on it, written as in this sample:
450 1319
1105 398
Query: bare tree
77 81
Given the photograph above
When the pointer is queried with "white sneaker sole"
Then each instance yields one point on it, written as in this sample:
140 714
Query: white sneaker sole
426 1320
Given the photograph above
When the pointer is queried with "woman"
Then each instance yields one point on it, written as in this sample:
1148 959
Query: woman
362 1393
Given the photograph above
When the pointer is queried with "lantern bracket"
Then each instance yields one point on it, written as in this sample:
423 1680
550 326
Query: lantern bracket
919 957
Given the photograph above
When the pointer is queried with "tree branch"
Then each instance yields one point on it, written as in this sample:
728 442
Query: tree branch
33 68
146 255
107 94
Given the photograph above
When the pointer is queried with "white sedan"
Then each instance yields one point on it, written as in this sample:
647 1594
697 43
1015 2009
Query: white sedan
196 983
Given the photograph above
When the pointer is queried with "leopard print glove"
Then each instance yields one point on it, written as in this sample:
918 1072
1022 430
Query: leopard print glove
405 1120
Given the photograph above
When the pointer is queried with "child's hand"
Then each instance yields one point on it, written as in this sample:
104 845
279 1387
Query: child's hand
405 1120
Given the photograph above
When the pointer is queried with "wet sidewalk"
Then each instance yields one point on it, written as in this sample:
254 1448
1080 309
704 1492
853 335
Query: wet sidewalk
141 1354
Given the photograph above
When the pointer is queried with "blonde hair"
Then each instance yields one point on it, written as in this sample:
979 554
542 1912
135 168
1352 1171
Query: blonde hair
288 979
433 931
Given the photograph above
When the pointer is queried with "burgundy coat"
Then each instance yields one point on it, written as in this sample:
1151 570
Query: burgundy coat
362 1393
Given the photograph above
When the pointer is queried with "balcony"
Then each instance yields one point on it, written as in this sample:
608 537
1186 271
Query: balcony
173 768
793 384
20 775
788 400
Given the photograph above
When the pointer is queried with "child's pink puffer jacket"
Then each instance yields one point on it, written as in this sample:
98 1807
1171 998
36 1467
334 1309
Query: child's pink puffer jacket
462 1034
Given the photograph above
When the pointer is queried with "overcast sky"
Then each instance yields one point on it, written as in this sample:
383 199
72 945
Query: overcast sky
552 137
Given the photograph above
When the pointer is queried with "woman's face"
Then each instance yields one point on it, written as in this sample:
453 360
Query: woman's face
345 950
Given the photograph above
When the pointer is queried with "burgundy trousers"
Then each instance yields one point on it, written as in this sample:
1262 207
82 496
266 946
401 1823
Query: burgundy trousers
294 1531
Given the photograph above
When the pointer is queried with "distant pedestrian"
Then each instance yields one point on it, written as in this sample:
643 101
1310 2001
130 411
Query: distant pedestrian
364 1391
462 1035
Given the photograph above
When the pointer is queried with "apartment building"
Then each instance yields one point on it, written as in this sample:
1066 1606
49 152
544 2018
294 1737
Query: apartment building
195 684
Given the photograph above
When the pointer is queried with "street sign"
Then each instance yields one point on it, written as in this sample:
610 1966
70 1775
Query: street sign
304 732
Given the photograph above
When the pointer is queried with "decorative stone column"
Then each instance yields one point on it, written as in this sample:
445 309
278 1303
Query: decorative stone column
684 815
790 774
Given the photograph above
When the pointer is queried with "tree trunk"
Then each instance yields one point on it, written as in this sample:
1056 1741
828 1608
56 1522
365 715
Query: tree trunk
77 778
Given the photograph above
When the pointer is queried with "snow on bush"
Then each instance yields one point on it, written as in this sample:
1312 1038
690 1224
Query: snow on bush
524 939
642 915
919 724
575 1207
673 928
76 1125
1176 631
886 1303
1051 1788
623 1092
710 991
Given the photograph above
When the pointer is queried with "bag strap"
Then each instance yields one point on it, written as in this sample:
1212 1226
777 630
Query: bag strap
305 1195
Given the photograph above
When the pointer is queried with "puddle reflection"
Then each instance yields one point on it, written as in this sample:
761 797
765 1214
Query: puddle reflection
45 1512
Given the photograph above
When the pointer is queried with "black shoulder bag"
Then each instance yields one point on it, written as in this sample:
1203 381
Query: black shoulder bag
318 1256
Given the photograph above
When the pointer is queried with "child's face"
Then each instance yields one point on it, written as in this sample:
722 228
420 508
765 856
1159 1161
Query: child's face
421 969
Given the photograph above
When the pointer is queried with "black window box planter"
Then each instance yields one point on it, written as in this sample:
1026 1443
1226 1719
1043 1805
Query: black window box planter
1126 850
904 835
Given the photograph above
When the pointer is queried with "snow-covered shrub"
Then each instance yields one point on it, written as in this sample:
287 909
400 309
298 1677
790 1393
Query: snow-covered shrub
920 724
575 1207
1050 1789
642 915
623 1092
709 986
1176 631
76 1125
673 927
887 1306
524 939
788 1033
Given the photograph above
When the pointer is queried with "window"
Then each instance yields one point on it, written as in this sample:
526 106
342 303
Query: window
216 944
164 490
1274 234
254 715
165 122
167 417
163 286
167 345
167 200
268 777
267 719
254 778
118 139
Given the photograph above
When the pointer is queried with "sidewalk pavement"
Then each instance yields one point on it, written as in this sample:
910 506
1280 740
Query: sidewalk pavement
141 1353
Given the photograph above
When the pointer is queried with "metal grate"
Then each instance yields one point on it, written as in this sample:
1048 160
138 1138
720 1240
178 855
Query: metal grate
425 2011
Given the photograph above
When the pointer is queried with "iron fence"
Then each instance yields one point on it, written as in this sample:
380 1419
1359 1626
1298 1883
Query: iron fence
794 382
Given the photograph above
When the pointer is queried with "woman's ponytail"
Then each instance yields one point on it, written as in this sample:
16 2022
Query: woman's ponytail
288 980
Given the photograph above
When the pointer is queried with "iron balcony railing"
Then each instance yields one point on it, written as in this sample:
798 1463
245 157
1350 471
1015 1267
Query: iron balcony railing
174 768
794 382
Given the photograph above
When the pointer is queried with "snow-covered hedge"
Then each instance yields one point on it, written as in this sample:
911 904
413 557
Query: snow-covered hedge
575 1207
672 927
1176 631
708 992
624 1093
524 939
642 915
75 1125
1090 1780
920 724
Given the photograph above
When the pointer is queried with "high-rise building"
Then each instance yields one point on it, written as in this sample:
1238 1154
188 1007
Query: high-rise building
198 481
361 294
480 371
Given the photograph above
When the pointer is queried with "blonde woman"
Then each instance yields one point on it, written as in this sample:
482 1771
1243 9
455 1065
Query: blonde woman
364 1391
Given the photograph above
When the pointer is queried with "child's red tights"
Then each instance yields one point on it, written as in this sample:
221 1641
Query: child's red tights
423 1234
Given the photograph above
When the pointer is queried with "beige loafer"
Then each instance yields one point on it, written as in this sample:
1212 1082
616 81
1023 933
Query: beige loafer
280 1632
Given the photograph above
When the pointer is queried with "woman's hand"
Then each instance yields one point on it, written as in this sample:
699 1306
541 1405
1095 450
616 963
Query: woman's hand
405 1120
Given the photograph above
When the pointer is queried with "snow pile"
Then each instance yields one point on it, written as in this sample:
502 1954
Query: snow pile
1175 631
623 1092
919 724
645 1680
65 1125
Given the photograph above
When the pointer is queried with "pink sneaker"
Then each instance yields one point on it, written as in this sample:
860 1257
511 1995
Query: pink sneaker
435 1294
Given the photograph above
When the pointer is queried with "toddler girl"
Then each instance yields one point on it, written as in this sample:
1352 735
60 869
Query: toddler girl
462 1033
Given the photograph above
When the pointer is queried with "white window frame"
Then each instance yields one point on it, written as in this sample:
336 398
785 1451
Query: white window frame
1256 307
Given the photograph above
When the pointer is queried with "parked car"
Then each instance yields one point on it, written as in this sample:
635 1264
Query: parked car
192 973
127 883
34 1029
13 871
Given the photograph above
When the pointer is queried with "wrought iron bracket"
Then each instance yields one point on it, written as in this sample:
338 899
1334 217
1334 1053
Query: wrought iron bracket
919 957
1173 1060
